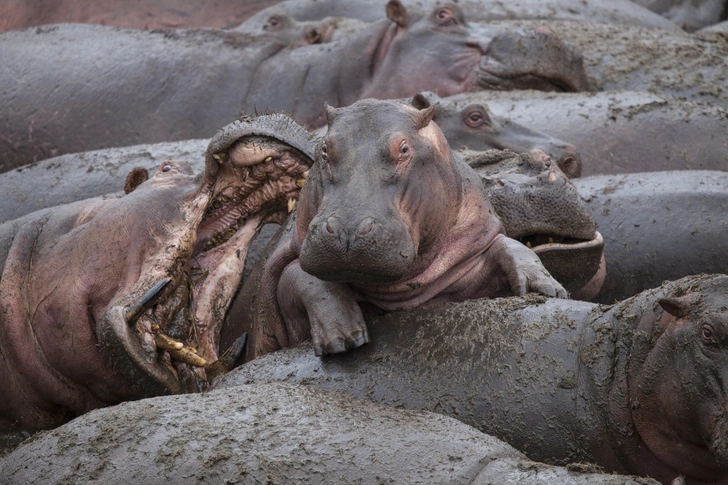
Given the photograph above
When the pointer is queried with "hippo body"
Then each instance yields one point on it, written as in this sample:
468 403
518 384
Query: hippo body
658 226
110 299
172 85
278 433
564 381
691 15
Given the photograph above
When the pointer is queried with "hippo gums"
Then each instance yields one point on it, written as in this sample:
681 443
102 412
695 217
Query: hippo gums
111 299
389 216
638 387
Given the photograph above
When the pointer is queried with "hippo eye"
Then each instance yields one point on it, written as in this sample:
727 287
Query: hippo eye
166 168
444 16
272 23
707 333
404 148
474 119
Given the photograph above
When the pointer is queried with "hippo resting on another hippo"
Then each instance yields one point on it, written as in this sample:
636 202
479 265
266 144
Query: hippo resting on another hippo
276 433
391 217
163 86
106 300
639 387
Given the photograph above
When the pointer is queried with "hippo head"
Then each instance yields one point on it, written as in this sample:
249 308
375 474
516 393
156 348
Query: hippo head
471 125
182 242
365 214
540 207
440 51
678 377
281 26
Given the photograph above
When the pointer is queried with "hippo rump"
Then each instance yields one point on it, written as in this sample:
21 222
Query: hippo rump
276 433
389 216
173 85
636 388
617 11
614 132
111 299
658 226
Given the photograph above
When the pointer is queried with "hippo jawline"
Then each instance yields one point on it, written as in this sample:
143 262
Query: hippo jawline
163 335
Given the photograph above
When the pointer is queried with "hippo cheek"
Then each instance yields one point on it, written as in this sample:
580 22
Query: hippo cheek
366 250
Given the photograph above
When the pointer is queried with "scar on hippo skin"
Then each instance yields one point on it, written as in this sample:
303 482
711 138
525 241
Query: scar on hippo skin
369 229
134 178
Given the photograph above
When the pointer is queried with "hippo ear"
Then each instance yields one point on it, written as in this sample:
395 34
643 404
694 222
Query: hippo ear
397 13
135 178
678 306
420 101
331 113
424 116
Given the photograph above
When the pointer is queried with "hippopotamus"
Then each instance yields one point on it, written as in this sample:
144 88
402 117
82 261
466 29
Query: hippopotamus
618 11
613 132
657 226
279 433
638 387
368 228
172 85
111 299
473 126
691 15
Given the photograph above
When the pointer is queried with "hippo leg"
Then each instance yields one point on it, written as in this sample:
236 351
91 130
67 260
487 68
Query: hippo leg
326 309
523 270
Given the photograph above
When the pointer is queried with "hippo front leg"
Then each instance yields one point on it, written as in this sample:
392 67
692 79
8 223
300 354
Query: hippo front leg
328 309
523 270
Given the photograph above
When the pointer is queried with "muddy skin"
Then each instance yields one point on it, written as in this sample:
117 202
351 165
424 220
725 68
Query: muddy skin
691 15
635 388
617 132
616 12
475 127
111 299
679 229
351 244
276 433
164 86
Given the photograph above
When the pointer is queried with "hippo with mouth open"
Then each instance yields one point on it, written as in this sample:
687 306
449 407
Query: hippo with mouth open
639 387
111 299
390 216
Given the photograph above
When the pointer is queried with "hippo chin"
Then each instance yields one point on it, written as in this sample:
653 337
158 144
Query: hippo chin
638 387
106 300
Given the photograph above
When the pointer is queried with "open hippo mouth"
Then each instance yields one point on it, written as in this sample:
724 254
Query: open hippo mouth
163 334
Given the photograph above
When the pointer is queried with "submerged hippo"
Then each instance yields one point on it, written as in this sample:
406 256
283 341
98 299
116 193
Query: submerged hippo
637 388
111 299
163 86
276 433
368 228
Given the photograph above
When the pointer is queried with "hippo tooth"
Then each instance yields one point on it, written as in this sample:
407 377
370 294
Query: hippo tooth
291 204
551 240
300 182
165 342
188 356
220 157
529 245
268 159
245 174
553 176
146 301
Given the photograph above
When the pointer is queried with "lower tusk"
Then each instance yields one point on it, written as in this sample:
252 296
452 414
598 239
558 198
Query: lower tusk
245 174
291 204
188 356
553 176
146 301
220 157
165 342
300 182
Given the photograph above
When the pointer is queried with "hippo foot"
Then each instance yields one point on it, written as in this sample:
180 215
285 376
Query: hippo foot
524 271
326 309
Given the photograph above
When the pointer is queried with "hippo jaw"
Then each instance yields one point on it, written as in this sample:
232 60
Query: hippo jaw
162 335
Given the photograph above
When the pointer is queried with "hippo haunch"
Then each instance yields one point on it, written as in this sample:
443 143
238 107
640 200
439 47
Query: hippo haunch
106 300
391 217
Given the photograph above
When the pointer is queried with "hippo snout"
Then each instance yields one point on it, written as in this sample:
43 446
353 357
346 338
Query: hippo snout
342 248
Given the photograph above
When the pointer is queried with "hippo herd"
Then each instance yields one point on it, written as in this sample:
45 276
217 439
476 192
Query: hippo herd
374 241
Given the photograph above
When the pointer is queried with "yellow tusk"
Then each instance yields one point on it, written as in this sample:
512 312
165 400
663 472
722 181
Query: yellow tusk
188 356
165 342
291 204
220 157
300 182
553 176
268 159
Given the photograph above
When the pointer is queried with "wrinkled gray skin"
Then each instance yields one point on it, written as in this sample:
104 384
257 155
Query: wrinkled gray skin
616 132
389 216
616 11
658 226
474 127
691 15
93 87
276 433
639 387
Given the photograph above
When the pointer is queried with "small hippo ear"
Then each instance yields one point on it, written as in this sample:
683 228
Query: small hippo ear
331 113
679 306
420 101
424 116
397 13
135 178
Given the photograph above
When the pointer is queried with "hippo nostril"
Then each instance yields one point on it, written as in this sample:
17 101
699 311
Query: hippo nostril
367 229
329 228
499 183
